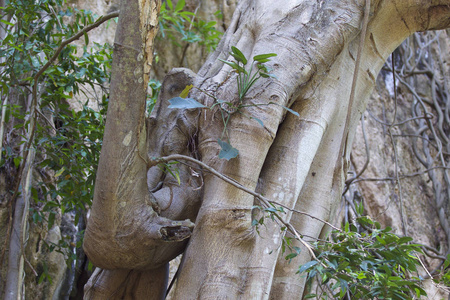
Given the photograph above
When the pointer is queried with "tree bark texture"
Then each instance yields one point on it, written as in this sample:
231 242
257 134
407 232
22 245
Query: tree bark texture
295 161
125 226
317 47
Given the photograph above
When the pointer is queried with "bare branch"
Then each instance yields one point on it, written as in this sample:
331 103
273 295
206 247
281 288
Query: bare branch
155 161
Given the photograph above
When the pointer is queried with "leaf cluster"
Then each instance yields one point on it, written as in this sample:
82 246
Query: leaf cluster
177 25
444 277
67 142
73 154
245 81
376 264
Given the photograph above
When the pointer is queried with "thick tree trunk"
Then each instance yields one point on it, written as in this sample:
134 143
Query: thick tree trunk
299 162
314 67
125 226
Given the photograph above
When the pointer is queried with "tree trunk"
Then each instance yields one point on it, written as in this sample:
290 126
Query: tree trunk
300 162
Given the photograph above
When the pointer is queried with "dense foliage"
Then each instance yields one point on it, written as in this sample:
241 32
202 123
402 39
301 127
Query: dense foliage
41 83
373 264
183 27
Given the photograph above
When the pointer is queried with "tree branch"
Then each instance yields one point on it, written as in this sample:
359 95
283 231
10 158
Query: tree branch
42 70
155 161
79 34
33 110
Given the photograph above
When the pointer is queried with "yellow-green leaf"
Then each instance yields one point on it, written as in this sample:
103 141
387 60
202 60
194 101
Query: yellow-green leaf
60 172
186 91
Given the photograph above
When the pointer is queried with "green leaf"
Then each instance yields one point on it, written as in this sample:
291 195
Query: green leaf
175 174
51 219
271 209
262 58
41 278
258 120
359 208
291 111
238 55
234 66
308 265
35 62
7 39
17 161
420 292
290 256
344 286
227 152
186 91
187 103
86 39
346 227
7 23
447 261
180 5
361 276
286 108
57 174
265 75
404 240
170 4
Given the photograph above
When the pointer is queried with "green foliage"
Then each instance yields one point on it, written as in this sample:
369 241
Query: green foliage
376 264
177 25
168 168
444 277
67 142
73 153
245 81
155 88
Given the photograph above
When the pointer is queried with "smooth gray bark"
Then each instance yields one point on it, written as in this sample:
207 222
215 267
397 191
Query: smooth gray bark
297 161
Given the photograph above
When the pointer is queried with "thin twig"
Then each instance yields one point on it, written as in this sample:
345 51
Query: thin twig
155 161
366 144
57 19
79 34
151 162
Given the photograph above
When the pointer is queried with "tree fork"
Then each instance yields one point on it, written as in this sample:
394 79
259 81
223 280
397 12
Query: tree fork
315 61
124 227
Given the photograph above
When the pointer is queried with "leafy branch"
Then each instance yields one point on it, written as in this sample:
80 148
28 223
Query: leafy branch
268 204
36 49
373 264
36 77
